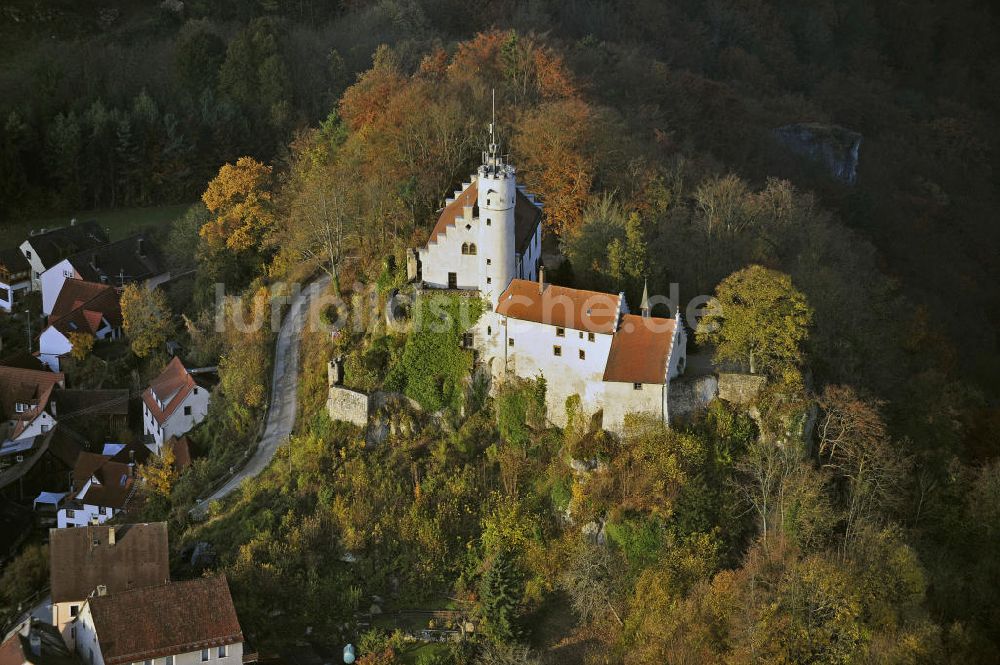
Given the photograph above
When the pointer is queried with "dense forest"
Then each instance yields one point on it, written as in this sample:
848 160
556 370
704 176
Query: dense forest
850 514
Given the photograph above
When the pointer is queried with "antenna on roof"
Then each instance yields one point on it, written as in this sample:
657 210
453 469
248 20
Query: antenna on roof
493 124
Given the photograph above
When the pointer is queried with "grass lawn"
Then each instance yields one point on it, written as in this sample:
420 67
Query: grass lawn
412 656
120 222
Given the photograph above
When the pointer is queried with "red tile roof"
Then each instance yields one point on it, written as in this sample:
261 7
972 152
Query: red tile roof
640 350
81 306
451 212
81 558
115 481
527 216
171 387
174 618
25 386
590 311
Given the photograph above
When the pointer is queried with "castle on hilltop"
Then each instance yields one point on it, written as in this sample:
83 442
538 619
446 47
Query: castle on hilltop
488 239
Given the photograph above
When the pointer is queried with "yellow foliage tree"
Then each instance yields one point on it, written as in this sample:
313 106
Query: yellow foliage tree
83 344
242 207
146 317
160 474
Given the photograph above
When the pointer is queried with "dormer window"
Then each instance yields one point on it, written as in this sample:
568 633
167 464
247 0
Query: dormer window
20 407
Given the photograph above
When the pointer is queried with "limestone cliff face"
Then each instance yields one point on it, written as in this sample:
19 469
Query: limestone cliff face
836 148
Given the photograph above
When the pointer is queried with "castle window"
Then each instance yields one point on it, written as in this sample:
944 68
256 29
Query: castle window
472 249
590 337
489 330
489 222
583 354
510 341
489 280
465 248
560 332
489 262
557 350
581 334
636 386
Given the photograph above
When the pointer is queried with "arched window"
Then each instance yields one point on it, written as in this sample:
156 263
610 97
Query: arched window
465 248
472 249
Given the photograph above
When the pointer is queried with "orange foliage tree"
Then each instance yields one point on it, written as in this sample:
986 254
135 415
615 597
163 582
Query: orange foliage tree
242 207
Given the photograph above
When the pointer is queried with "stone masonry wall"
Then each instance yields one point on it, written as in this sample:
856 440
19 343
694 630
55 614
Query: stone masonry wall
348 405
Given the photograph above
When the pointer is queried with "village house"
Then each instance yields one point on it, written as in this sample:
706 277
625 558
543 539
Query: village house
116 558
15 278
173 403
177 623
34 642
133 260
47 247
101 488
488 240
82 307
25 409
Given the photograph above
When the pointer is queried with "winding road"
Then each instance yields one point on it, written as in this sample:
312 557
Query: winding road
284 394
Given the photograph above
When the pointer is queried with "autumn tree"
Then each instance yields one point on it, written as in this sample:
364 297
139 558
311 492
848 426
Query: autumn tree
759 319
82 343
241 204
160 473
146 317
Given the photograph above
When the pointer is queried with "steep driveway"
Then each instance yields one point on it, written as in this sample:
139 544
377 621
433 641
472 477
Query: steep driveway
284 394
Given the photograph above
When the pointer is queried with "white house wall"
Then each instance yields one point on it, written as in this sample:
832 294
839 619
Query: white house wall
52 281
51 345
37 267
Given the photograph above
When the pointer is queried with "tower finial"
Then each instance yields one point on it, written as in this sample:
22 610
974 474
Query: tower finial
493 124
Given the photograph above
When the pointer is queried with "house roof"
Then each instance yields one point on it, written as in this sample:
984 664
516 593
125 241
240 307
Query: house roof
178 617
639 350
171 387
53 246
182 451
25 386
76 402
66 445
16 649
99 480
81 558
23 360
590 311
12 263
128 260
81 306
527 216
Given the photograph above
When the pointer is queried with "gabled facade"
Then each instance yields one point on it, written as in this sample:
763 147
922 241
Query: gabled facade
24 402
102 487
48 247
179 623
82 307
586 343
128 261
15 278
117 558
173 404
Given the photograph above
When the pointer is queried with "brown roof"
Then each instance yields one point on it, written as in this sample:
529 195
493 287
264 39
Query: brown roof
53 246
182 451
25 386
179 617
80 307
17 650
527 216
171 387
114 481
590 311
139 558
106 402
640 350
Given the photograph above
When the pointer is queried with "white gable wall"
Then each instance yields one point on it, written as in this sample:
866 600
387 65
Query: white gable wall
52 281
52 344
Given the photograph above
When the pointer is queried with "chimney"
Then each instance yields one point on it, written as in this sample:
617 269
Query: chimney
72 221
111 535
102 590
541 279
94 263
36 643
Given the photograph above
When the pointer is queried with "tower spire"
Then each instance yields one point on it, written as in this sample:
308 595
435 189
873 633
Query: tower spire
645 299
493 125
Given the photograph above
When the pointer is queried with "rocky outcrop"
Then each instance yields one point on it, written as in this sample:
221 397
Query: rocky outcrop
689 395
832 146
740 388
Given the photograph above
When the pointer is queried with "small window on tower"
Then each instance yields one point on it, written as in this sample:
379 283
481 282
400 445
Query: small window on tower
581 334
489 280
560 332
637 386
472 249
489 222
590 337
465 248
510 341
583 354
557 350
489 262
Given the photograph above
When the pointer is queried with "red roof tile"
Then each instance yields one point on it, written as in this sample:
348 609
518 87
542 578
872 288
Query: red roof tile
170 387
81 306
640 350
590 311
175 618
527 216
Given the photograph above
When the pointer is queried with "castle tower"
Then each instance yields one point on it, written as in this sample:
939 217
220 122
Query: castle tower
497 197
